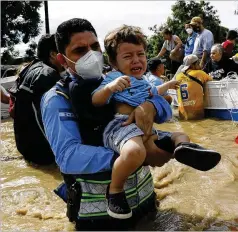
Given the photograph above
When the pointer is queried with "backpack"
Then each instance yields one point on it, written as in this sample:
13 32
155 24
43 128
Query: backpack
16 87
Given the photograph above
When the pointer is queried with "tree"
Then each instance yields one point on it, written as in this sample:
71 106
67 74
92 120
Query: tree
31 51
8 56
183 12
20 22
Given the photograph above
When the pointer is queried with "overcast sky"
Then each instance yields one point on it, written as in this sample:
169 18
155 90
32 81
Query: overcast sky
107 15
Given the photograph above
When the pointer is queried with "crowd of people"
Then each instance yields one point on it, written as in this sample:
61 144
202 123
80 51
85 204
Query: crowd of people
211 62
96 122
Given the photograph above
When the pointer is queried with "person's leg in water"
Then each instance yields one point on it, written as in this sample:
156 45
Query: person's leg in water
132 156
178 146
192 154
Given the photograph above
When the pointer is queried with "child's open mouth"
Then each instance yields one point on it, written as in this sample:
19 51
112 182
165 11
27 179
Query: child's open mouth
136 70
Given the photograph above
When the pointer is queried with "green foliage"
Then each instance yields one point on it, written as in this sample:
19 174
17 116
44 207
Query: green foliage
20 21
183 12
105 58
8 56
31 51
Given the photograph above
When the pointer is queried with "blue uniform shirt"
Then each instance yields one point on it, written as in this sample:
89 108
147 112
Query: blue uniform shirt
63 134
190 44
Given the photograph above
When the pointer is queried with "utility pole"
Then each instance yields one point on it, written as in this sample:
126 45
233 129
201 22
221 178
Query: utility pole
47 28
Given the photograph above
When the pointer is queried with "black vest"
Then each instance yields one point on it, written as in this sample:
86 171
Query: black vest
92 120
33 82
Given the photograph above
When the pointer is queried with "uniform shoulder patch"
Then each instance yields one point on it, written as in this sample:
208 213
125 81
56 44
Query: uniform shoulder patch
67 115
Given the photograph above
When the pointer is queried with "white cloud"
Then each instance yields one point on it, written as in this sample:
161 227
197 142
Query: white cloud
107 15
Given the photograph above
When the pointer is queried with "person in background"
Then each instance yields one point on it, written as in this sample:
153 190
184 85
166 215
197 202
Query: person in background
203 42
189 45
156 70
190 93
34 80
230 42
220 65
173 45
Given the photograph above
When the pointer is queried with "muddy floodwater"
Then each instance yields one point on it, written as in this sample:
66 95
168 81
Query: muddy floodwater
189 199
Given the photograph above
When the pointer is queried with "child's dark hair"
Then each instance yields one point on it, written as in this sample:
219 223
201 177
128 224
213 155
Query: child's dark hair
45 46
232 34
123 34
66 29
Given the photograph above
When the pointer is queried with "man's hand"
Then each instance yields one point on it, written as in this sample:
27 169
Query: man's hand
154 155
173 84
143 116
119 84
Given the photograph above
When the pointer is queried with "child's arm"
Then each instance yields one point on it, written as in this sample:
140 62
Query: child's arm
168 85
101 96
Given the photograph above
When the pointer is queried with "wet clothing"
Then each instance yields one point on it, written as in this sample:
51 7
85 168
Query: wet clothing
68 147
91 119
190 44
219 70
115 136
33 82
203 42
139 92
190 94
87 169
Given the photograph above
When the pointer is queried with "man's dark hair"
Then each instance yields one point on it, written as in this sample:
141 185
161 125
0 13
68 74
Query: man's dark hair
66 29
123 34
46 45
154 63
231 35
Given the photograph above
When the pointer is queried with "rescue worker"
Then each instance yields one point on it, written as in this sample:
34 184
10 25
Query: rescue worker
87 169
34 80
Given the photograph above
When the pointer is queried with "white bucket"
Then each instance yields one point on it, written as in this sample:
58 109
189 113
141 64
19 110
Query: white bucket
217 94
221 94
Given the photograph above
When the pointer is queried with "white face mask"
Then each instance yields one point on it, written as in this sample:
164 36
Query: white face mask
89 66
189 30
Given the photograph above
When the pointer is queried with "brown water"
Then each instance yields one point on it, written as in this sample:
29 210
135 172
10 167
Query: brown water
189 199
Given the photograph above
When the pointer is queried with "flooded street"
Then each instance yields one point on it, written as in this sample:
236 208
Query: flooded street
199 200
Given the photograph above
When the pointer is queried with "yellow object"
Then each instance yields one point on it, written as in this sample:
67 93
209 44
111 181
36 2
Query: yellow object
190 94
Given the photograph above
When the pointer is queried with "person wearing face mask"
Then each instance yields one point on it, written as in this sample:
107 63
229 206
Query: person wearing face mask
33 81
203 42
75 136
190 40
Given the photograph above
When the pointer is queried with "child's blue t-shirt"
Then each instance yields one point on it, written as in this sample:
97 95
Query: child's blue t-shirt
139 91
